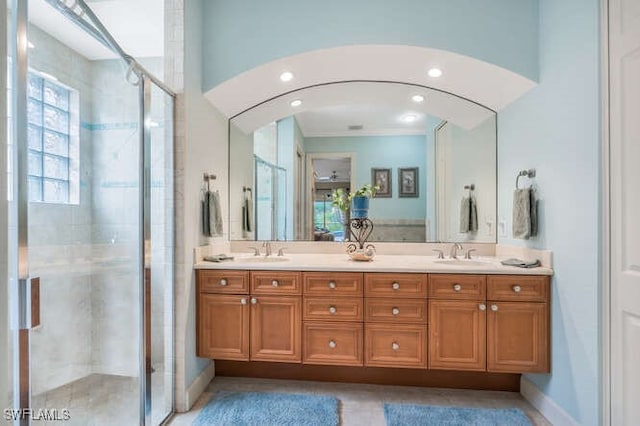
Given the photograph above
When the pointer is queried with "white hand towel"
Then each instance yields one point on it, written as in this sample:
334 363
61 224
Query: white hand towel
214 214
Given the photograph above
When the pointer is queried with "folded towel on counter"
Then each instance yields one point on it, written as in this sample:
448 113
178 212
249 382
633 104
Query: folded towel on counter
211 214
521 263
218 258
521 220
468 214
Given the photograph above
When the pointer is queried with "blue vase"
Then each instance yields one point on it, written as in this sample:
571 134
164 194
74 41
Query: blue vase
359 207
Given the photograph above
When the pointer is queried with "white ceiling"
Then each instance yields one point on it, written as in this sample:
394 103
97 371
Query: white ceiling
137 25
473 79
332 169
329 110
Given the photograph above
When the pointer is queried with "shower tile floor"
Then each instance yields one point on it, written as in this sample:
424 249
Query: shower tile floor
362 404
101 400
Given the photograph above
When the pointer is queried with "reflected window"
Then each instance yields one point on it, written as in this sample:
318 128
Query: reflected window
49 115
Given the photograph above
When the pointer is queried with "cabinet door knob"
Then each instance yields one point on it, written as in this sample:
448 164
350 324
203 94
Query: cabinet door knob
395 346
457 287
332 284
223 282
332 309
332 344
482 307
395 286
243 301
516 288
275 283
494 308
395 311
254 300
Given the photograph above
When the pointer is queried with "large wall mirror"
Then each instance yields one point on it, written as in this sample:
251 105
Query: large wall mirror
432 153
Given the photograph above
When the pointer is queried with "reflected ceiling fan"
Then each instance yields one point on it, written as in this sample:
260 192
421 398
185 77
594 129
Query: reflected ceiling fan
331 178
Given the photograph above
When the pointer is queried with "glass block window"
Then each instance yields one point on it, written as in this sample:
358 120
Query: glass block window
49 135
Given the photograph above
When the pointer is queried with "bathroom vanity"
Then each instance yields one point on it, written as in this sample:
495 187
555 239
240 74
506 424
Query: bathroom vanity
419 322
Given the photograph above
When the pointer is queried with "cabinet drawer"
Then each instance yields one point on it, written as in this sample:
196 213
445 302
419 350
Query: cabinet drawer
395 346
275 282
332 309
518 287
396 311
332 284
396 285
450 286
218 281
332 344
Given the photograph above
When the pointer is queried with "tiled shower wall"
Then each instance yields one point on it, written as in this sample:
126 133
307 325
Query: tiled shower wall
87 254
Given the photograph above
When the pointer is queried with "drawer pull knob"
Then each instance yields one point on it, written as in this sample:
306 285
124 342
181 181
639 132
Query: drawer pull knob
332 309
516 288
223 282
254 300
494 308
243 301
395 311
332 284
457 287
395 346
395 286
332 344
482 307
274 283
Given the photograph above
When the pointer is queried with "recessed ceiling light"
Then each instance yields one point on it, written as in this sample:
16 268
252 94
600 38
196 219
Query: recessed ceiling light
30 45
417 98
434 72
409 118
296 103
286 76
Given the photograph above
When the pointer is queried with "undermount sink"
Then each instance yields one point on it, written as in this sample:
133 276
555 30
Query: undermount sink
263 259
462 262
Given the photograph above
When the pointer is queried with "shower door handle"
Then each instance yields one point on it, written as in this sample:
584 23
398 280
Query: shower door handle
29 296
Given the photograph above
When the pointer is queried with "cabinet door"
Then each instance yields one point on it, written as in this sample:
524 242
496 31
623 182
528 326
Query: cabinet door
223 327
518 337
276 328
457 331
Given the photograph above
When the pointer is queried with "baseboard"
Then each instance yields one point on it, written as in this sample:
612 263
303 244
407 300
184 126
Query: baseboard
198 386
545 405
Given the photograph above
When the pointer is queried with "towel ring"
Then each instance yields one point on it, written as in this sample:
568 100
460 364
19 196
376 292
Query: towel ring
531 173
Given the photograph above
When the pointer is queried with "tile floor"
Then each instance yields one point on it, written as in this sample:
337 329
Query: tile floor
362 404
101 400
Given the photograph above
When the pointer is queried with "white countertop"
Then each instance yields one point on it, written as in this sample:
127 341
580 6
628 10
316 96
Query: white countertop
381 263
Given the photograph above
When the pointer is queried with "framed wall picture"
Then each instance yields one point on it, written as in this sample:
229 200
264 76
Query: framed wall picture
408 182
382 178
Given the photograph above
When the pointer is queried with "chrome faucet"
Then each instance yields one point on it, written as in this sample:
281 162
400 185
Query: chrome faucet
267 248
453 254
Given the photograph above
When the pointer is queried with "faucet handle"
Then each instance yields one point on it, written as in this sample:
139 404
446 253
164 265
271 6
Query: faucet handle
468 254
440 253
281 251
256 251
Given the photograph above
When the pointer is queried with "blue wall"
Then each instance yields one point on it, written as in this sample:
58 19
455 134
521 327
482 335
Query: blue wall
383 152
242 34
555 128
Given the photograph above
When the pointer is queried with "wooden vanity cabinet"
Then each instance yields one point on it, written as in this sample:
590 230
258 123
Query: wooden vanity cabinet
332 314
518 337
395 320
265 325
457 322
222 327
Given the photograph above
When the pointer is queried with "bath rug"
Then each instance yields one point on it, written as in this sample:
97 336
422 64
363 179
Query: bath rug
262 408
404 414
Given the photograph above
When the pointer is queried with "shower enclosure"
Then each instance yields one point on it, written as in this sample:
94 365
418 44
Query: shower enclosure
88 271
